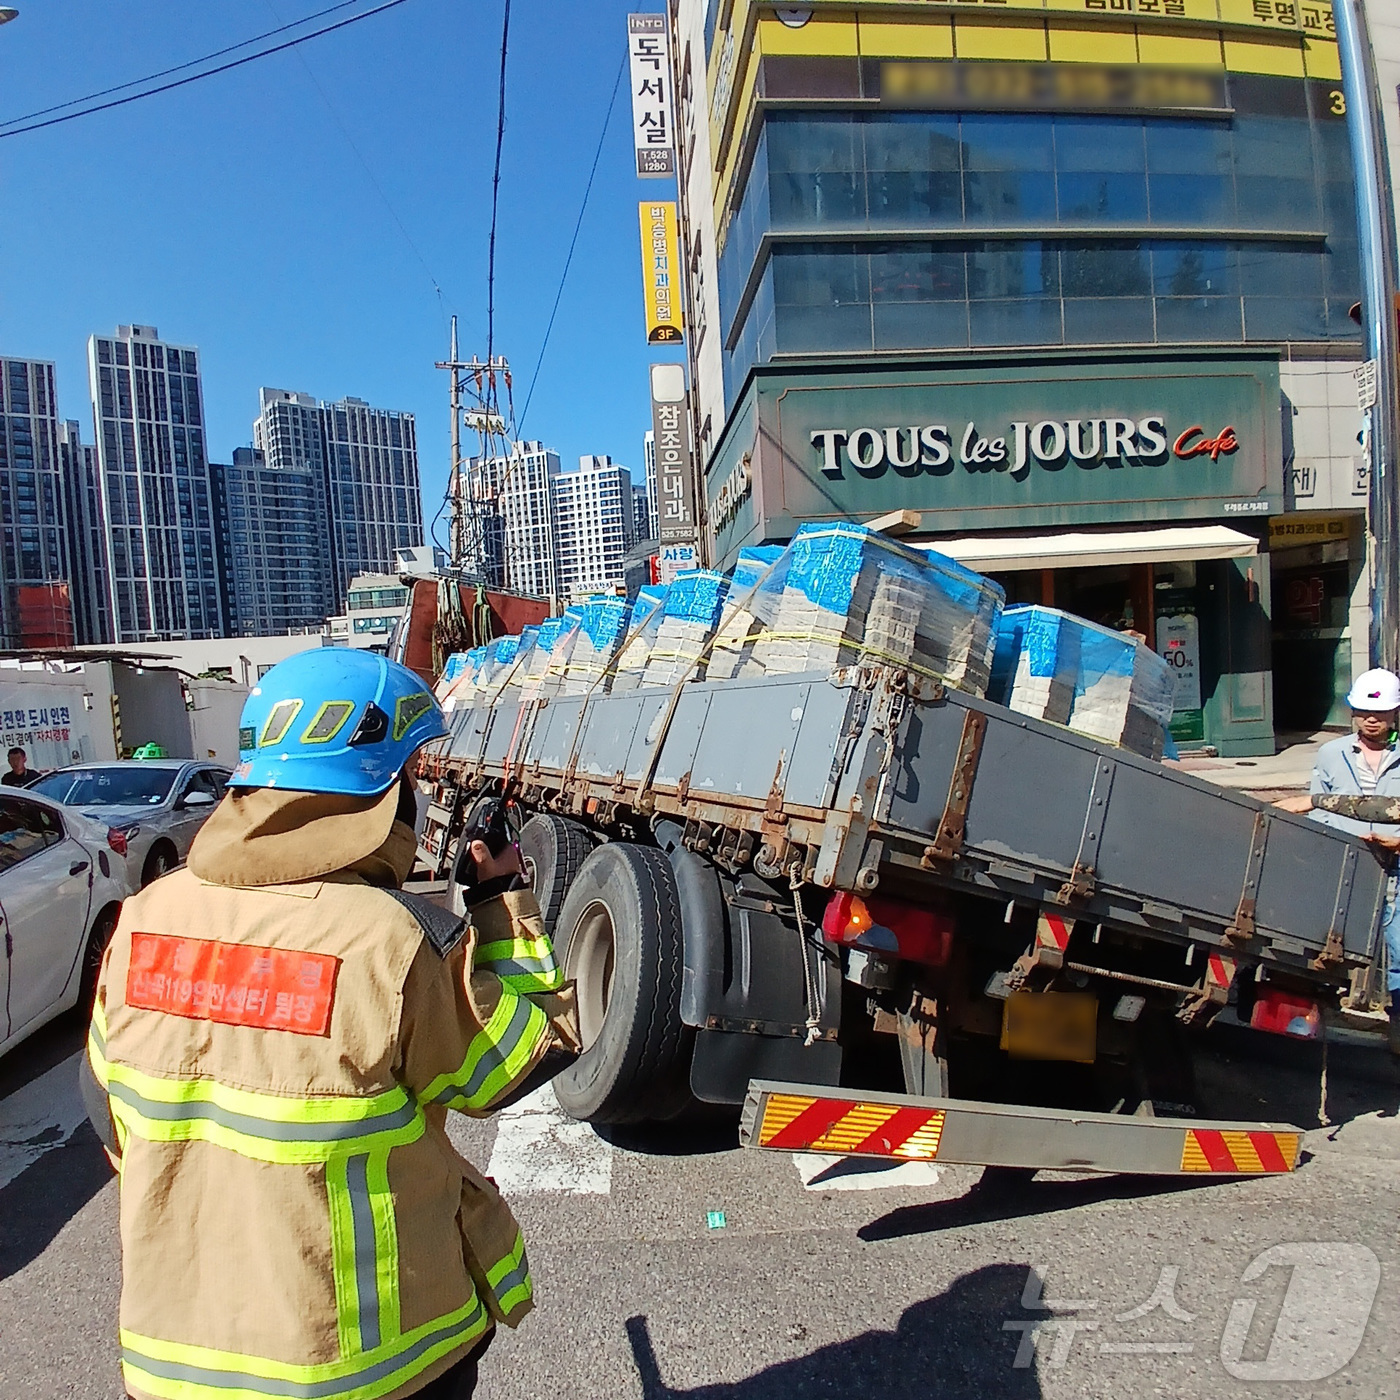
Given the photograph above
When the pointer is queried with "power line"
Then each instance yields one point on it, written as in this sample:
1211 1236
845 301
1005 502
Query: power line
179 67
573 243
208 73
365 166
495 203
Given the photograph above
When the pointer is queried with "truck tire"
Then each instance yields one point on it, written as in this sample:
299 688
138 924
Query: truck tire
620 935
554 850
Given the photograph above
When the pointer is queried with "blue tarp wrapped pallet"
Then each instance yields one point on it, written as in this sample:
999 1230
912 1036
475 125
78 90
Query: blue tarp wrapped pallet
844 594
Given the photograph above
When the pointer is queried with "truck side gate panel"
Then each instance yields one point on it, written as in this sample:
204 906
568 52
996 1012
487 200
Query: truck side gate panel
682 739
815 764
740 739
1156 827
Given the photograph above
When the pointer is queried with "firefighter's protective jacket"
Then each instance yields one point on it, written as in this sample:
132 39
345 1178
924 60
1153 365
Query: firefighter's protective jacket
279 1060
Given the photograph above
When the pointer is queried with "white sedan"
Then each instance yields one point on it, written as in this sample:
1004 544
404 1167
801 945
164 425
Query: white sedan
63 877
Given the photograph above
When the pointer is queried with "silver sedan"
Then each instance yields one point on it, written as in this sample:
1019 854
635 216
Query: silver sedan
158 804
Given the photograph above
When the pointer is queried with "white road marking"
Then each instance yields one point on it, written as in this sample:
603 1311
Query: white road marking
820 1172
540 1148
39 1117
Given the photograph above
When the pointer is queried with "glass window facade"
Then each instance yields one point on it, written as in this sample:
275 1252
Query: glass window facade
898 231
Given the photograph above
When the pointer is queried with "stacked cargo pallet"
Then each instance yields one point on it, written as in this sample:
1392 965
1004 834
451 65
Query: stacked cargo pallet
1092 679
844 594
643 627
593 644
740 626
689 617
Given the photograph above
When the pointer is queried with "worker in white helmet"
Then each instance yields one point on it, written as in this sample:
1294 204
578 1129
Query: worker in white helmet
1366 763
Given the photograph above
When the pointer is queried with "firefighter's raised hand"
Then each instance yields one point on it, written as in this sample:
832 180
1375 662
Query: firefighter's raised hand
489 867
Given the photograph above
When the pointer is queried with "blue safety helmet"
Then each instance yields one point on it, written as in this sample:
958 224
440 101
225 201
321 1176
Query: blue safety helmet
334 720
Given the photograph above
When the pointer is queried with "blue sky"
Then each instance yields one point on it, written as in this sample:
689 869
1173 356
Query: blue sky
235 215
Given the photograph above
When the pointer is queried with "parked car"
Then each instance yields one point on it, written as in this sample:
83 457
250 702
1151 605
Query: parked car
63 877
159 804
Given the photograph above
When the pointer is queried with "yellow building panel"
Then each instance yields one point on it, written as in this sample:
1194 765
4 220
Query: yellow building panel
823 36
881 39
1025 42
1092 43
1283 60
1321 60
1138 9
1180 50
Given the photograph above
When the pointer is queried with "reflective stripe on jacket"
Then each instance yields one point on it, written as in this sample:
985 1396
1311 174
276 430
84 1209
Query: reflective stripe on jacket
294 1220
512 944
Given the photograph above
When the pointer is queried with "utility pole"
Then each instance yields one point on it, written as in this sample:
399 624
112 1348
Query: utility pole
473 513
1375 214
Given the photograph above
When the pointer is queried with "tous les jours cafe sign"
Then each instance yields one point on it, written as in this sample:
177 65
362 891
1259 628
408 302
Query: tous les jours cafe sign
1053 445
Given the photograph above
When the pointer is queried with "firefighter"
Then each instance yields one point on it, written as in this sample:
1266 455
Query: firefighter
280 1031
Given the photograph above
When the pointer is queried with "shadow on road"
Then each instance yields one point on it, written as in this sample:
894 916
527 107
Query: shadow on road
44 1197
1008 1194
951 1347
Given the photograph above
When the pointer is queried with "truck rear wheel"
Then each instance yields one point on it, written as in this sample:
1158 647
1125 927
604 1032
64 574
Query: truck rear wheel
620 935
554 849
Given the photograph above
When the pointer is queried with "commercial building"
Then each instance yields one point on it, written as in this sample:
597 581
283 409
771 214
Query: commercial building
1066 282
518 491
160 562
33 532
87 534
593 508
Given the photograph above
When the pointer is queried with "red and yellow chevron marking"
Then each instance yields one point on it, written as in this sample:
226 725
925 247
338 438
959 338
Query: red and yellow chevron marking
1238 1153
849 1128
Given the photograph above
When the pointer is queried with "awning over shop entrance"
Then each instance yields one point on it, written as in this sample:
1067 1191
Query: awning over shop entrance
995 554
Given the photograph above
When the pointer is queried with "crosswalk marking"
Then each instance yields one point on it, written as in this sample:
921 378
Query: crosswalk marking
39 1117
821 1172
540 1148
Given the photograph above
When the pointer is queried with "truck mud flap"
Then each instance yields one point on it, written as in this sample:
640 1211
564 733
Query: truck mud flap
724 1062
787 1117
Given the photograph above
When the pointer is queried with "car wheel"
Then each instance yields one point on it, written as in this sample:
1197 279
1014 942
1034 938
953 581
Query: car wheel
93 954
620 934
161 861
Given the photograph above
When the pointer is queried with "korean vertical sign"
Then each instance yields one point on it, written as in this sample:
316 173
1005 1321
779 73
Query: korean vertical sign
675 501
661 272
648 45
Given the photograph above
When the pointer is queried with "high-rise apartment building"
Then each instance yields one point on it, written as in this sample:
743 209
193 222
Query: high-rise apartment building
518 491
641 515
333 493
161 565
278 545
649 476
374 498
593 508
33 543
87 534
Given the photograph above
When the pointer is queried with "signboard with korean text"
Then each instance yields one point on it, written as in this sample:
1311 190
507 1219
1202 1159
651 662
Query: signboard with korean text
661 272
676 559
48 723
675 493
649 55
1016 442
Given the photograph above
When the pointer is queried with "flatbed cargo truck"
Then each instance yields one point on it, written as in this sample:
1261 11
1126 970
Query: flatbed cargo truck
890 918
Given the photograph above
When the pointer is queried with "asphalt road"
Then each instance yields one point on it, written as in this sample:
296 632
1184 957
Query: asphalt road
672 1264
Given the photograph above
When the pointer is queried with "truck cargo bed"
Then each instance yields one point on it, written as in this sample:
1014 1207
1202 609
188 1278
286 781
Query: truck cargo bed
875 778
